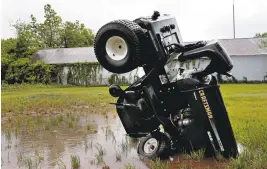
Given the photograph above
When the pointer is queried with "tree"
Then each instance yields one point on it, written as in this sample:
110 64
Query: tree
28 39
76 35
52 33
263 35
50 29
7 46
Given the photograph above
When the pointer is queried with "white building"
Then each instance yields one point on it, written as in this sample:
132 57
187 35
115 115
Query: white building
248 54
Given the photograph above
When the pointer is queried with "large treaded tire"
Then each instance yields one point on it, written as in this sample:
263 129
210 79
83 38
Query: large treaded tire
131 33
161 150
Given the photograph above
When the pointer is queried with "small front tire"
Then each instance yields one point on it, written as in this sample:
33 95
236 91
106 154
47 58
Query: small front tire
154 145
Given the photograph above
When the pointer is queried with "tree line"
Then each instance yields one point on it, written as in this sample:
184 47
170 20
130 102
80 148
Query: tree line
17 63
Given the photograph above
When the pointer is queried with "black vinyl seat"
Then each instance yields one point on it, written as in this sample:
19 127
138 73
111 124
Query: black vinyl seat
220 60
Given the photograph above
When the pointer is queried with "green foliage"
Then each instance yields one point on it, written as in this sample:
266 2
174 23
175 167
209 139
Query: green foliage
263 35
50 29
7 46
52 33
5 61
23 71
116 79
28 41
76 35
258 35
84 74
16 53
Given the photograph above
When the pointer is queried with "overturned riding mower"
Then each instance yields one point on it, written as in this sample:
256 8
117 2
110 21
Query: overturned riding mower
171 109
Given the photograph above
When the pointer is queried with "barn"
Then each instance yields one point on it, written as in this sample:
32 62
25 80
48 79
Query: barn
79 65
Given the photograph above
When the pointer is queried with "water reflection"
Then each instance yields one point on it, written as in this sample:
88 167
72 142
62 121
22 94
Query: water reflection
53 148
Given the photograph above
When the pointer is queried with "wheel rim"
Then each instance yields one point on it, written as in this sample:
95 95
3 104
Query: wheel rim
116 48
150 146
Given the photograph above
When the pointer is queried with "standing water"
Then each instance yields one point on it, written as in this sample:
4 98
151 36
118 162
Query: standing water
103 143
82 142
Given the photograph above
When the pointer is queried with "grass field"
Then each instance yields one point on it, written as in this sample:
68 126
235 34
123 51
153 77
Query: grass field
246 104
53 99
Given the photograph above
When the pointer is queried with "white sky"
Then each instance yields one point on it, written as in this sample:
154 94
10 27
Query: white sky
197 19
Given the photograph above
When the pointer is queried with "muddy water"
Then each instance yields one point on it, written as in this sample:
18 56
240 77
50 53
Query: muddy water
53 148
57 146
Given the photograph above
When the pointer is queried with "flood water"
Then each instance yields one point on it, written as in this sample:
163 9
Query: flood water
53 148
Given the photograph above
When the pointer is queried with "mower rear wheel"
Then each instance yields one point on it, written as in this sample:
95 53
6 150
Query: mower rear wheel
117 46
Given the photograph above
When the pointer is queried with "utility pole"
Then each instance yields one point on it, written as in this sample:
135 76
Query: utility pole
234 17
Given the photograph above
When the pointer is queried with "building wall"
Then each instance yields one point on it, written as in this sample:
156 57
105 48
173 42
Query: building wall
251 67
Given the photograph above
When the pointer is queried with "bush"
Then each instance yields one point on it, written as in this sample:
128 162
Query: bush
23 71
5 61
116 79
245 79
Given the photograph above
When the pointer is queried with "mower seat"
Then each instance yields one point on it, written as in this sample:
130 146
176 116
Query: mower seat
220 60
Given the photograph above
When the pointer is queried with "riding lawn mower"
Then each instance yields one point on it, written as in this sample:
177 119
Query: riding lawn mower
170 111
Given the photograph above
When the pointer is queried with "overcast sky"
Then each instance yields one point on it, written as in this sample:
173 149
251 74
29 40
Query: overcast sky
197 19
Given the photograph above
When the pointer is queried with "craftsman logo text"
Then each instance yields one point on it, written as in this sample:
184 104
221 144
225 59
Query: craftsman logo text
205 103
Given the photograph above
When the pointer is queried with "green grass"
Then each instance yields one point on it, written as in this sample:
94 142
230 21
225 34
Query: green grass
248 113
195 155
247 108
158 164
52 99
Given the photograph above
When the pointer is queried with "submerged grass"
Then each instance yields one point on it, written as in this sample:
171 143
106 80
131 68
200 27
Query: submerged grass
100 153
30 162
75 162
129 166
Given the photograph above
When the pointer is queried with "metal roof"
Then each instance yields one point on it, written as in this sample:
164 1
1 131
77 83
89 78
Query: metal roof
244 46
66 55
234 47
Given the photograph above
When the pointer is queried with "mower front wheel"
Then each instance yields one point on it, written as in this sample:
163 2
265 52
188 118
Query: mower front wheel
153 146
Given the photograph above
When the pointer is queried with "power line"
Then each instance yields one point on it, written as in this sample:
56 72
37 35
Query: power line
234 17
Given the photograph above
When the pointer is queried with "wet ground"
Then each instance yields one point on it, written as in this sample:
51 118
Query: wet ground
102 144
